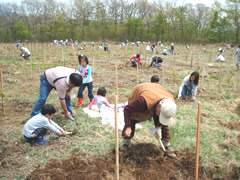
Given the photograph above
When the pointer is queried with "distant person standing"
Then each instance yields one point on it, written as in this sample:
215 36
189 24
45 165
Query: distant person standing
25 53
237 53
126 42
172 48
86 71
153 47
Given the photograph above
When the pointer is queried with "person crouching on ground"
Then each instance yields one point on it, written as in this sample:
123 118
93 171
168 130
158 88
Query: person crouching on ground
25 53
189 86
37 126
145 101
156 61
86 72
100 99
135 60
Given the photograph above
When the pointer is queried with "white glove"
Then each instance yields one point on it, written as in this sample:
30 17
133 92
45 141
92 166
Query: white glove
159 132
155 131
194 97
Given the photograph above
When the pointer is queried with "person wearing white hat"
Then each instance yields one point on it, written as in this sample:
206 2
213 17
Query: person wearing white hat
149 100
25 53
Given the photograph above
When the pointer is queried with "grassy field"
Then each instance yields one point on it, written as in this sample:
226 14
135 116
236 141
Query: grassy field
218 93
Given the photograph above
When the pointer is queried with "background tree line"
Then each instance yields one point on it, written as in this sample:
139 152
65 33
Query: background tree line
117 20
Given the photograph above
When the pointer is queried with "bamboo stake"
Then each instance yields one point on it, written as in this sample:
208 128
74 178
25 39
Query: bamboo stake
93 70
31 67
1 78
198 141
63 57
116 77
191 59
163 77
219 81
4 50
50 54
202 76
24 70
237 80
175 74
116 140
137 73
44 52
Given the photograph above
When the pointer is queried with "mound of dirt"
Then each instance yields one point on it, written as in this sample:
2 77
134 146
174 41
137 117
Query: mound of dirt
142 161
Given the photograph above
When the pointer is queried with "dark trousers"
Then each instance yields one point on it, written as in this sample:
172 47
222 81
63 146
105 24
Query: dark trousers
39 132
90 89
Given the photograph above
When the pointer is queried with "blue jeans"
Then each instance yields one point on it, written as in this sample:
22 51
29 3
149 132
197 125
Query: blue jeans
187 90
90 89
237 62
172 51
152 49
45 89
157 65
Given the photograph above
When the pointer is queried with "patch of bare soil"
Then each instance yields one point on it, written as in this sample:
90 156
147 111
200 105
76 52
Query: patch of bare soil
142 161
230 125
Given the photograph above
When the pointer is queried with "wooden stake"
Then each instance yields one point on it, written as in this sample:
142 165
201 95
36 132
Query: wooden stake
24 69
116 77
1 78
237 80
93 70
63 57
116 140
44 53
137 73
31 67
163 77
202 76
198 141
219 81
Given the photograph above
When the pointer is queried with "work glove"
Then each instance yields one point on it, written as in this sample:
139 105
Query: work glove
179 96
156 131
194 97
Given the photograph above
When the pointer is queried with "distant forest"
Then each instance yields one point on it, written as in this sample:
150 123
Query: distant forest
117 20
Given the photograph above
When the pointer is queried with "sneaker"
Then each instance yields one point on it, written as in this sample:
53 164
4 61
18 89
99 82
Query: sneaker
40 141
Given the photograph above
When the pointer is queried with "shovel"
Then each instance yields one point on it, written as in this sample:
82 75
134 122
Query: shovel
153 131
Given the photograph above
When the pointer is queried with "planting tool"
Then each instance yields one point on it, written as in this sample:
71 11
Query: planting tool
153 131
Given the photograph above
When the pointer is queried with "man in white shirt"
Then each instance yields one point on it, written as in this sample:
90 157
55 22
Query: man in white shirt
62 79
25 53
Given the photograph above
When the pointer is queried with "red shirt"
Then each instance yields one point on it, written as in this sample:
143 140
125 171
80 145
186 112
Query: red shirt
135 57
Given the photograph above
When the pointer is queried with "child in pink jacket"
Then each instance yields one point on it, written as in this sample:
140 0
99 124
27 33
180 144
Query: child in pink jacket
100 99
